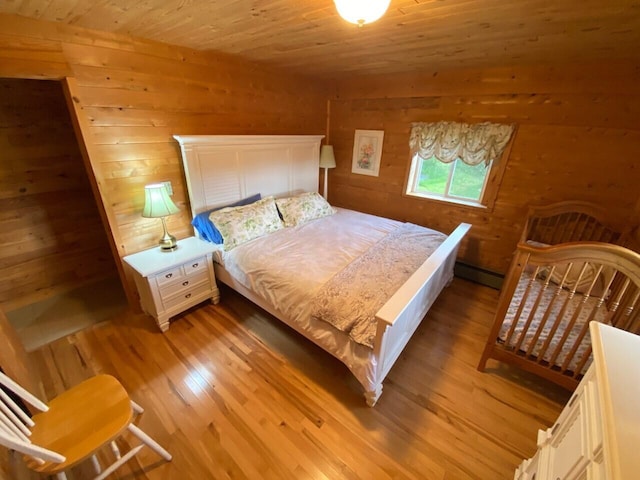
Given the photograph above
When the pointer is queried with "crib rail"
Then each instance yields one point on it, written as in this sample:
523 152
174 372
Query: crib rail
549 297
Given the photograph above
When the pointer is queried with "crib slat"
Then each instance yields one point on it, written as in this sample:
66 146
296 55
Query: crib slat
574 318
560 316
572 228
583 361
521 306
631 312
546 315
576 344
590 229
584 221
525 329
532 234
619 294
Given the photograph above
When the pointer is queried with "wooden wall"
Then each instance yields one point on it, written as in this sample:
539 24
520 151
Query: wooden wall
578 137
132 95
50 230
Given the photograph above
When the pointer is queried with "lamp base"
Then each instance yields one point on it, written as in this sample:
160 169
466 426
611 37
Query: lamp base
168 242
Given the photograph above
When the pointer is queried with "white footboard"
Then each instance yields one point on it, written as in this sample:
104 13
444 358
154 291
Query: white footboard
403 312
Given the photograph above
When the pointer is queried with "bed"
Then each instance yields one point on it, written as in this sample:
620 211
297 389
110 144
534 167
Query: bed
221 170
569 269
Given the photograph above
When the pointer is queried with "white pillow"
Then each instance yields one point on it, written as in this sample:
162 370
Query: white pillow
303 208
238 225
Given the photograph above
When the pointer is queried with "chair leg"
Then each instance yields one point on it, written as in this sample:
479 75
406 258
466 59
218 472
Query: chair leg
121 461
146 439
96 464
61 476
136 408
115 450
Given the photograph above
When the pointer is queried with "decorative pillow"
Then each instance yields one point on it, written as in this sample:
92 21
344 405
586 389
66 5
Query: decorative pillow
303 208
241 224
207 230
582 286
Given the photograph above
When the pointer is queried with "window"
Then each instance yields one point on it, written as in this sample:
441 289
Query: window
457 162
454 181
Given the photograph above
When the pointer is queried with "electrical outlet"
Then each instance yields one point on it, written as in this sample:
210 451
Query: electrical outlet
168 187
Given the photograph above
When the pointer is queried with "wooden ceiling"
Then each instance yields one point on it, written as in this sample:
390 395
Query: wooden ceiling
308 36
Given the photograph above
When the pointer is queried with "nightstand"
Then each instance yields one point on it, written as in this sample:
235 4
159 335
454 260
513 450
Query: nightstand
171 282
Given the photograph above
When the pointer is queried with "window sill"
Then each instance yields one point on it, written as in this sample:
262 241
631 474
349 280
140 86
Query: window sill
455 201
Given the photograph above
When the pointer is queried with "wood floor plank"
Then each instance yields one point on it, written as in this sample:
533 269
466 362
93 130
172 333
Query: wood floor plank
233 393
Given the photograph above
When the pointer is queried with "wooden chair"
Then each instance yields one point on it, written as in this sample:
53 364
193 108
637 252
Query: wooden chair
73 427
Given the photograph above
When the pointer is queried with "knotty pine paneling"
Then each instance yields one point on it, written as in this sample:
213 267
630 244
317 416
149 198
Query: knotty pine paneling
132 95
50 231
577 138
310 37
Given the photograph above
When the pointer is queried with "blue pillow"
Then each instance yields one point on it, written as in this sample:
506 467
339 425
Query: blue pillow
207 230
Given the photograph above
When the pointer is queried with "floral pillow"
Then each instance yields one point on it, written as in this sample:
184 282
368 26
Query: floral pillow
241 224
303 208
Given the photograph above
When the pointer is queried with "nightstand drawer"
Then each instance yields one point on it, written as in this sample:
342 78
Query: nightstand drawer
196 266
186 296
184 283
169 276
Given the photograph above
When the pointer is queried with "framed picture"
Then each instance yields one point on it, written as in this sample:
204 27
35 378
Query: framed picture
367 151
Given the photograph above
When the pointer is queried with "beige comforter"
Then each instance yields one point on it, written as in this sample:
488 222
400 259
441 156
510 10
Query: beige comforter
350 300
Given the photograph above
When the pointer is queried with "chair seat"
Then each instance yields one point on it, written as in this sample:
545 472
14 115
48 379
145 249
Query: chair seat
80 421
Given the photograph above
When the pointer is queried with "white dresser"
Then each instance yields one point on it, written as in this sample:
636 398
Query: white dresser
171 282
597 435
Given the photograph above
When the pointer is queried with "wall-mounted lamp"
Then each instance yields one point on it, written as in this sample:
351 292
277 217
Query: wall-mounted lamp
327 161
361 11
158 204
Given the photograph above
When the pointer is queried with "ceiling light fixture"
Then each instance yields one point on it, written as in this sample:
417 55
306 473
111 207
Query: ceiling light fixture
361 11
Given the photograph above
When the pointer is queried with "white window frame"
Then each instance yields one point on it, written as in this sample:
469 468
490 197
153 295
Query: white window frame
414 179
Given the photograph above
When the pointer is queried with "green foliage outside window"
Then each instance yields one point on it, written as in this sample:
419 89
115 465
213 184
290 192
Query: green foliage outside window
466 182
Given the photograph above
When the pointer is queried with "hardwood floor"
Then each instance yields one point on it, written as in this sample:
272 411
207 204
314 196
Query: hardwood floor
233 393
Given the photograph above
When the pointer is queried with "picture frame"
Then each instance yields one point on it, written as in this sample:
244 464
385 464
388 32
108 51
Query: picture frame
367 152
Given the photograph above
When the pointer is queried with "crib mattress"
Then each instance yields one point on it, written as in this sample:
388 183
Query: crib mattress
552 300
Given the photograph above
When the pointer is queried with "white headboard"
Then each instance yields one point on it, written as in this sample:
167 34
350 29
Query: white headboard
222 169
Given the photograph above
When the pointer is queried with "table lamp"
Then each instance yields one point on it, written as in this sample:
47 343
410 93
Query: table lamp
327 161
158 204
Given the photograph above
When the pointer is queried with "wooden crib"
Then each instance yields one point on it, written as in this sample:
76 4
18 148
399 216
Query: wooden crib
569 269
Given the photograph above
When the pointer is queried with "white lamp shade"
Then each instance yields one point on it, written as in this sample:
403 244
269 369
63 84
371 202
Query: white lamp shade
327 159
157 202
361 11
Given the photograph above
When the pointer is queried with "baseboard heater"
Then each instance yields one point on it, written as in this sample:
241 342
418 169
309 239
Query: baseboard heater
478 275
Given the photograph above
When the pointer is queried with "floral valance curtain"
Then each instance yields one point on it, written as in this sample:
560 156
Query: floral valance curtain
472 143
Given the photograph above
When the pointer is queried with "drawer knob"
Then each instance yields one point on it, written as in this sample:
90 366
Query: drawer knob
195 265
184 284
187 295
168 275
